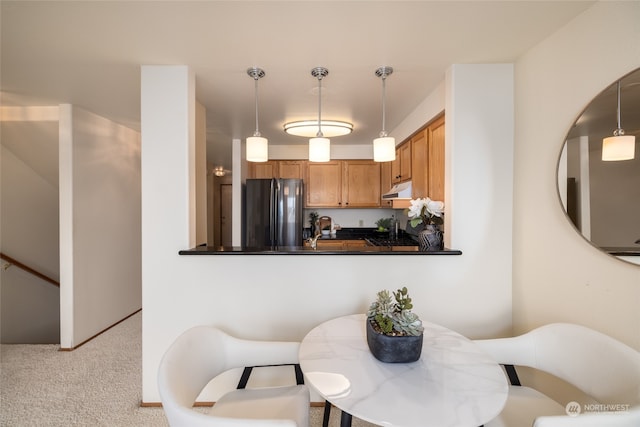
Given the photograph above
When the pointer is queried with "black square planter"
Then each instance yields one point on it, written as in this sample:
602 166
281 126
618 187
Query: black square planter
402 349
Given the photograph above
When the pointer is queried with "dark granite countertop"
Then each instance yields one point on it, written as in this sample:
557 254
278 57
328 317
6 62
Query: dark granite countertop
355 234
343 234
304 250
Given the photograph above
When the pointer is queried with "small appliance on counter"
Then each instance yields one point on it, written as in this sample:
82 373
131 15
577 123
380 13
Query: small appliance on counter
326 225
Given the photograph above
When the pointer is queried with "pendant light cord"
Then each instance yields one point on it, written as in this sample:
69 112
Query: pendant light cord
383 73
384 105
319 135
257 132
618 111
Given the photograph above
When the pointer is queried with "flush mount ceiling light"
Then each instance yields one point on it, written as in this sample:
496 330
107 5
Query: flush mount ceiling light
257 146
319 147
619 146
384 147
220 171
309 128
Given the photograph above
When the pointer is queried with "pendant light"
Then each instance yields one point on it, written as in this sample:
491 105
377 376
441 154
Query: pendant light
619 146
384 147
257 146
319 147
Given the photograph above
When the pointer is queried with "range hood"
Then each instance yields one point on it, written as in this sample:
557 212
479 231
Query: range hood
399 191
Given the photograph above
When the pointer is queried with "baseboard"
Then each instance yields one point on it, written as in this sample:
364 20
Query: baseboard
99 333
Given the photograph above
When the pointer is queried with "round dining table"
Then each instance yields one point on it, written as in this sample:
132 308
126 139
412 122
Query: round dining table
453 384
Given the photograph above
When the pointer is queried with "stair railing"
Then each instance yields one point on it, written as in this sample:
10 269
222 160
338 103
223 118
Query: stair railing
10 262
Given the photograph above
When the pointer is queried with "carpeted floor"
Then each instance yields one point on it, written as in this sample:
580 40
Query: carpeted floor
99 384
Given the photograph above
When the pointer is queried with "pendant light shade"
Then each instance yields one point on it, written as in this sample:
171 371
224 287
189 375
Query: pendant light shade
619 146
384 147
257 147
319 147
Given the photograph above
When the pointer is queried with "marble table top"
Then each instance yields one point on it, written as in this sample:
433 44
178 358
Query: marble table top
453 384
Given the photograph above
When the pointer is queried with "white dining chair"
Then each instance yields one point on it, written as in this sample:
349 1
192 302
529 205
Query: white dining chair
204 352
598 365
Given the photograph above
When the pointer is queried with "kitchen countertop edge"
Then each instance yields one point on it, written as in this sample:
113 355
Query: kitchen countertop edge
300 250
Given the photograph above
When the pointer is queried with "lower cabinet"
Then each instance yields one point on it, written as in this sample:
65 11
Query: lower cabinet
338 244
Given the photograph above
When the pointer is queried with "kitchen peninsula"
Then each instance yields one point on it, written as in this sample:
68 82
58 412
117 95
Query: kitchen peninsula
353 241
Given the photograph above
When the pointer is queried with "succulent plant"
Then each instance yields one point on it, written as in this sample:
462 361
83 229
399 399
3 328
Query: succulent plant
393 316
384 224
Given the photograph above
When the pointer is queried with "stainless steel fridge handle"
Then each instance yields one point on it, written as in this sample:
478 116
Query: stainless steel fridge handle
273 214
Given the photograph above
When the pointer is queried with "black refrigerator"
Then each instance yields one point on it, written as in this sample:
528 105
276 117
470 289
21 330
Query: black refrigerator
273 212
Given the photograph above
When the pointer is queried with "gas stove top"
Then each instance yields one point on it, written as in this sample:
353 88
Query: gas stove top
385 241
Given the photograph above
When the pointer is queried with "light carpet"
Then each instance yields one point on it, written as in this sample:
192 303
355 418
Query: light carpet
98 384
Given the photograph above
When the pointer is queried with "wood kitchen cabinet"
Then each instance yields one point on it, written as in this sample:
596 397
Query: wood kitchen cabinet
427 161
419 164
385 183
337 244
259 170
401 166
361 184
288 169
435 167
277 169
323 184
343 184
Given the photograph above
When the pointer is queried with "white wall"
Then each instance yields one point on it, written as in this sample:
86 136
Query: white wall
100 253
558 276
29 227
245 294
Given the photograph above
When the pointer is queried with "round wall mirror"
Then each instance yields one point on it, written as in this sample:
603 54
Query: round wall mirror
602 197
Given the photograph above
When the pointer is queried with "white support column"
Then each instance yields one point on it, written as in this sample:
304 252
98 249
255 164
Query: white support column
238 178
168 198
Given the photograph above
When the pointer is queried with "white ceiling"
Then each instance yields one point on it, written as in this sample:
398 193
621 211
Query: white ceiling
89 54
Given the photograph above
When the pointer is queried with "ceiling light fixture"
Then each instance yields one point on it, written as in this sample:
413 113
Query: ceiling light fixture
257 146
220 171
319 147
309 128
619 146
384 147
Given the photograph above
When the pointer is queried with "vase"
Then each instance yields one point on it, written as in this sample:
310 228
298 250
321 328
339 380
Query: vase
430 238
388 349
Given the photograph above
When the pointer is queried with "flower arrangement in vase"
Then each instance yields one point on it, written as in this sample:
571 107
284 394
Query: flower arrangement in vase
429 213
394 332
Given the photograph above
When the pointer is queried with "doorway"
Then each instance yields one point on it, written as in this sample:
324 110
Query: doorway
226 219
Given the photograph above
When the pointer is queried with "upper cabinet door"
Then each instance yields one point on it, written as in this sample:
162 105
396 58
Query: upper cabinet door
385 182
436 159
401 166
260 170
419 162
361 184
288 169
324 184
